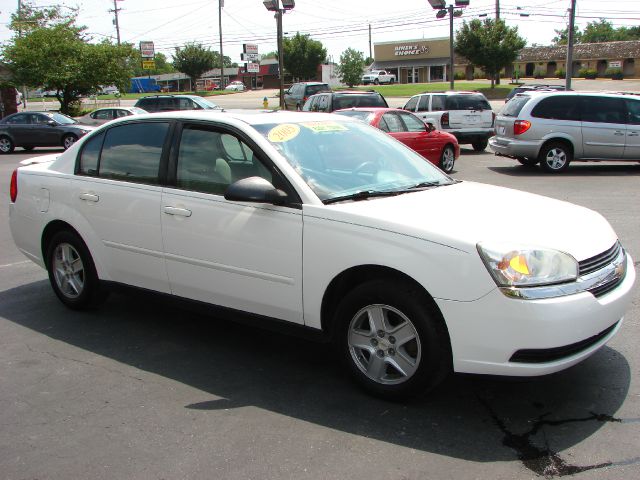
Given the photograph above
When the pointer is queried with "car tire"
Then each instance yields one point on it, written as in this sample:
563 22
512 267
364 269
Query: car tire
480 145
298 108
528 162
6 145
72 273
447 159
416 359
376 82
555 157
68 141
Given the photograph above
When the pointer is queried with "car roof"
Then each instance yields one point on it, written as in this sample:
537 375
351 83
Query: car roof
370 109
450 92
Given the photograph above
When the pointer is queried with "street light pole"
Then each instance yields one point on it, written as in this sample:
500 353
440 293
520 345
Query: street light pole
569 64
220 5
280 52
451 79
443 10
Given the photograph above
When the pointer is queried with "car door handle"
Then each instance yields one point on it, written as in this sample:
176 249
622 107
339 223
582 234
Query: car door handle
633 134
89 197
618 132
182 212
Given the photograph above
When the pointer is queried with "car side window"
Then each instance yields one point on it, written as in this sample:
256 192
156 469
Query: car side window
132 152
382 125
37 119
558 107
412 123
394 124
604 110
209 161
103 114
323 103
633 107
437 103
423 105
411 104
20 119
90 155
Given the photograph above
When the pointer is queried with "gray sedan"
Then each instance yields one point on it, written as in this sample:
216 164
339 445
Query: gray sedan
39 129
104 115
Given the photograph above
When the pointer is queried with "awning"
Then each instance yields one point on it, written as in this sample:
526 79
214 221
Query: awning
406 63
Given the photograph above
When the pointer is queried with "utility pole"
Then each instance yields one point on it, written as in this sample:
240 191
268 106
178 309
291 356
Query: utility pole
220 5
451 79
370 53
280 53
24 87
115 11
569 63
497 9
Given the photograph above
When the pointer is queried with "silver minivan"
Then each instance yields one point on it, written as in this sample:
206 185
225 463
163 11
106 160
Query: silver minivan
556 128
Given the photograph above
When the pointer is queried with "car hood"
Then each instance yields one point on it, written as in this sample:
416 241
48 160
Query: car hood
463 214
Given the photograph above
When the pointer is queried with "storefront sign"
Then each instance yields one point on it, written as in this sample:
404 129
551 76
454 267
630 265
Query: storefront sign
617 64
147 49
250 48
402 50
253 67
148 64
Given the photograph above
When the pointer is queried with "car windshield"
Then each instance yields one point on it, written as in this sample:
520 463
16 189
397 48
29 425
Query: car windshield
339 159
357 100
206 104
467 102
359 114
61 119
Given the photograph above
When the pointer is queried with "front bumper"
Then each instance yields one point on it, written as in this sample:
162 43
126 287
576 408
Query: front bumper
510 147
488 335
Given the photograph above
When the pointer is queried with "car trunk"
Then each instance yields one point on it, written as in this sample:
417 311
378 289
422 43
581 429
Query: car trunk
507 118
468 111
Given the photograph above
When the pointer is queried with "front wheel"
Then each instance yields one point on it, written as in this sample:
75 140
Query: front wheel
480 145
6 145
555 157
68 141
447 159
393 344
72 272
376 81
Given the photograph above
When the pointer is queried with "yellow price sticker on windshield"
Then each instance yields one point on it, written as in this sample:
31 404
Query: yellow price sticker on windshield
283 133
319 127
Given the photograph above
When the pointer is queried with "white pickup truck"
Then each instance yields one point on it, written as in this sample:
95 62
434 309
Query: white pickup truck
377 77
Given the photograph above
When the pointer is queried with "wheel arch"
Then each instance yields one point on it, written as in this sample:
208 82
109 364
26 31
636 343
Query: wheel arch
350 278
561 139
50 230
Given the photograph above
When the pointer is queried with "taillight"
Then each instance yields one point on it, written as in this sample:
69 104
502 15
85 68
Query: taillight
13 188
521 126
444 120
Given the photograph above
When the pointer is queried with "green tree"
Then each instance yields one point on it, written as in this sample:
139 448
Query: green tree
562 36
602 31
489 44
160 59
52 52
302 55
193 60
351 66
272 54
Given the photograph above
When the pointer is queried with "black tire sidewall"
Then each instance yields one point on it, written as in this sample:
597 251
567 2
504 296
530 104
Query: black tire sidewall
435 360
91 294
69 135
480 146
12 145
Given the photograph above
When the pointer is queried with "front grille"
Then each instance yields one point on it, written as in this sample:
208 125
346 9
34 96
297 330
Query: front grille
543 355
596 263
606 287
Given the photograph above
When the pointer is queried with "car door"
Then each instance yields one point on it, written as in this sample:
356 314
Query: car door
245 256
604 128
117 192
422 141
19 128
42 132
391 123
632 144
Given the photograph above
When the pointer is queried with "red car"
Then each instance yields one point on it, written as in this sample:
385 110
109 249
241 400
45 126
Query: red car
440 148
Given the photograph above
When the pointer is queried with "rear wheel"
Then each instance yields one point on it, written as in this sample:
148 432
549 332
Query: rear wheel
376 82
68 140
391 341
528 162
447 159
480 145
6 145
555 157
72 272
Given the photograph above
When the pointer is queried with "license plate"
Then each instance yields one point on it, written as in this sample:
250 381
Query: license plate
501 130
472 119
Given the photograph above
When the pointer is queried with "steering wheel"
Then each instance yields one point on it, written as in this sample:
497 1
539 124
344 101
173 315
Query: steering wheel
369 166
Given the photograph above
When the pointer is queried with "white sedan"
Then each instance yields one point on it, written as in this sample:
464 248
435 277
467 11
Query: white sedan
237 86
104 115
327 224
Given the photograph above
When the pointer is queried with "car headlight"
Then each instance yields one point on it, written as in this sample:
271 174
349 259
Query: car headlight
523 266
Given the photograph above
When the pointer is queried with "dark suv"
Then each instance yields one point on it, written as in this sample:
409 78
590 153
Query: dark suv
296 96
170 103
330 101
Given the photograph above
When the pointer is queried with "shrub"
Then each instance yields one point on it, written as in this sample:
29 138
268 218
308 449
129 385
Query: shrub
459 76
539 73
561 73
478 75
587 73
614 73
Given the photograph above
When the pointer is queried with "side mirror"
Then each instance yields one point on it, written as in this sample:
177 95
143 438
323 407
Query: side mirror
51 123
430 127
255 189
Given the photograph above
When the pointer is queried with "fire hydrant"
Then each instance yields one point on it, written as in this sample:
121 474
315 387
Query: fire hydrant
265 102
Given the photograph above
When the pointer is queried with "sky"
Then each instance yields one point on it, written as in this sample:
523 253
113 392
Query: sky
338 24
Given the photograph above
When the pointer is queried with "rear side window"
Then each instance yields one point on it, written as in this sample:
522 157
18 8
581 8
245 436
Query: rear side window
437 103
90 155
411 104
423 105
467 102
514 106
633 106
311 89
603 110
132 152
558 108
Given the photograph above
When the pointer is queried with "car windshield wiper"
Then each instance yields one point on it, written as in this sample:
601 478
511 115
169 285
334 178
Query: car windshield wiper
362 195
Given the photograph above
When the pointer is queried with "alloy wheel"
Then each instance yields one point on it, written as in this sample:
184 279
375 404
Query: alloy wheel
556 158
5 145
448 159
68 270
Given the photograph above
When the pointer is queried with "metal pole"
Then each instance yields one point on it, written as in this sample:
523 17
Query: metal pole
497 9
280 54
370 53
450 8
220 4
569 65
24 87
115 11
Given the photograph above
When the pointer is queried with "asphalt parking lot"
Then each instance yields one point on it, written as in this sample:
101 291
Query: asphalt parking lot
142 389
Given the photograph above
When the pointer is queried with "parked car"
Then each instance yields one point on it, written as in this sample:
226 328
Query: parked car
410 273
169 103
39 129
236 86
440 148
296 95
109 90
330 101
466 115
377 77
536 87
554 129
104 115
